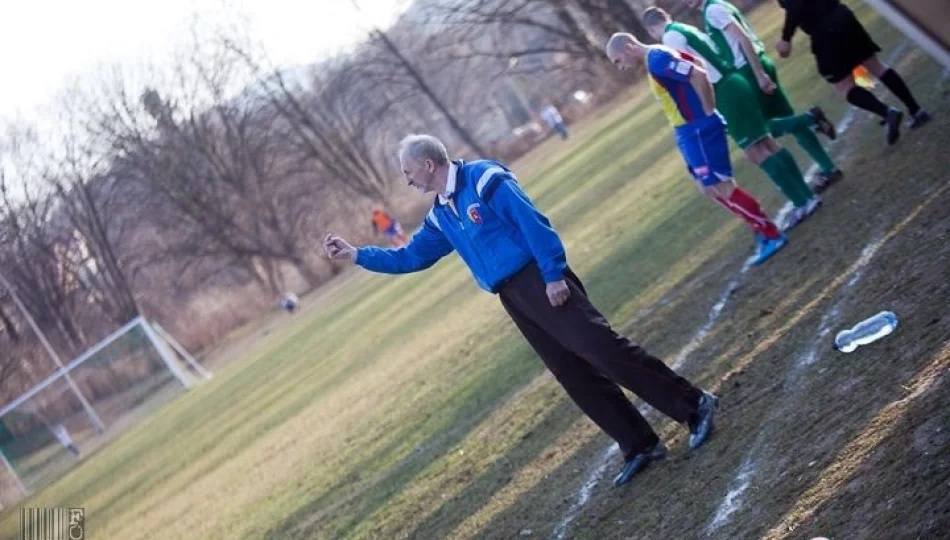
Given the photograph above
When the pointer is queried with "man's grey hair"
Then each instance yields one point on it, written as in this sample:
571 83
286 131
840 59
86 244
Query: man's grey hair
423 147
618 42
654 16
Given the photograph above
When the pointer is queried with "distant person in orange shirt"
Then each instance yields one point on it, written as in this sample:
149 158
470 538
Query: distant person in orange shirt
385 223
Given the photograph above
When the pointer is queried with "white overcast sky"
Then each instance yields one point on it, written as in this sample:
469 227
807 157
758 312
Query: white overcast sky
44 43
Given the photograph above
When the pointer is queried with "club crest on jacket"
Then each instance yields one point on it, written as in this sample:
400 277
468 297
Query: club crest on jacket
473 214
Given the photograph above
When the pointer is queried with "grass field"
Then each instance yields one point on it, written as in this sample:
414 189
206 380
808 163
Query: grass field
410 407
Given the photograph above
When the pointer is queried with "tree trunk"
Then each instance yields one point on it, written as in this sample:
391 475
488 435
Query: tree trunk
582 37
8 325
128 308
615 16
427 90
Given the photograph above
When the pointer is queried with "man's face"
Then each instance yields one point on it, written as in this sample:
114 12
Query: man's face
656 31
624 58
419 174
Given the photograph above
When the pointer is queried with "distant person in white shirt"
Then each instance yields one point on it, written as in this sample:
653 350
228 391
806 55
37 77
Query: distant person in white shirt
62 435
553 119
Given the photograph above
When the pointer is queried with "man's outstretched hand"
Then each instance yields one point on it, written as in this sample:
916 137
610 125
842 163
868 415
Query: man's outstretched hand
338 248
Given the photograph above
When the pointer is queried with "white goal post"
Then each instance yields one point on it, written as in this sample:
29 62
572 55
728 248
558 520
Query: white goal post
86 396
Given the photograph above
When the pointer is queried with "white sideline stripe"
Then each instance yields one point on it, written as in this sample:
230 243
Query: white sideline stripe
733 499
714 312
669 297
486 176
584 493
600 466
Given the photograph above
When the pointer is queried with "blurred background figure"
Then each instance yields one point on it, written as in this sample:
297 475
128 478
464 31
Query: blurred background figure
289 303
62 435
552 117
387 224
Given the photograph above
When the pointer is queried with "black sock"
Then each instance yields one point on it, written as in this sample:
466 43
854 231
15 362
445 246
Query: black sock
864 99
896 85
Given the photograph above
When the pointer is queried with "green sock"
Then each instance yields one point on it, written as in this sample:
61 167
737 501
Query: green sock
784 179
796 178
809 142
790 124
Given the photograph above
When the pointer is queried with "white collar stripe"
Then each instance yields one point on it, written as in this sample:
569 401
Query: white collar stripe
486 176
433 220
449 183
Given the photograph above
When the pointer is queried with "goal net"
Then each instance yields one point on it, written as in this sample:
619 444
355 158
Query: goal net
47 430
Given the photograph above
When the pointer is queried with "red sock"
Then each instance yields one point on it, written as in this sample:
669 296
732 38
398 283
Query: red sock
743 204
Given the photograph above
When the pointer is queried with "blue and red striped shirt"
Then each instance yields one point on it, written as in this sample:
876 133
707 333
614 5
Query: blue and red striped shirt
669 72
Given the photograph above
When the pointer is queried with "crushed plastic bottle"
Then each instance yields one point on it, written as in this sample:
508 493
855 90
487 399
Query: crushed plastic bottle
866 331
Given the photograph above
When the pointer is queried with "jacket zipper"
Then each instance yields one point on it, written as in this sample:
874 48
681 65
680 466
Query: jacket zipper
483 269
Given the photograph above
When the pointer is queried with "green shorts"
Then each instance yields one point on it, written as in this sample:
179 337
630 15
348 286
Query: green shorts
746 124
776 104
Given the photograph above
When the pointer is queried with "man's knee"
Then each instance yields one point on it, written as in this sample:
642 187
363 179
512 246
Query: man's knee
875 66
753 154
722 190
760 150
844 86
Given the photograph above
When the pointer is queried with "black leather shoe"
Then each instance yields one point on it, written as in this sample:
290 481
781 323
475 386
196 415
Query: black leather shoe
639 462
918 119
823 180
822 124
705 416
894 118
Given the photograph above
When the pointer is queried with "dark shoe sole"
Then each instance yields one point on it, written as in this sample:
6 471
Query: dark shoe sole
706 426
826 180
894 119
918 121
822 124
656 454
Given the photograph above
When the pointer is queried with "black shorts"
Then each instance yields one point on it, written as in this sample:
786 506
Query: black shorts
841 44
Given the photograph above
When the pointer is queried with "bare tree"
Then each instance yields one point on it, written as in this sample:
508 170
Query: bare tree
33 253
515 29
614 16
325 120
413 72
212 168
90 199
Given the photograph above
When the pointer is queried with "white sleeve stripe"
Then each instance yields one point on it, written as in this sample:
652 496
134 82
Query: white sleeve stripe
432 219
486 176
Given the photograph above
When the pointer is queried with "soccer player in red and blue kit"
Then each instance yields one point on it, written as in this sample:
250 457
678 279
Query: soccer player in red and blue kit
681 85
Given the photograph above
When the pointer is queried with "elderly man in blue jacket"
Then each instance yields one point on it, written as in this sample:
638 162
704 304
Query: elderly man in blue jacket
512 250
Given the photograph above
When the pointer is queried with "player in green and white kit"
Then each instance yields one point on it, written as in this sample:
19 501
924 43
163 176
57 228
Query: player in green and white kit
748 126
740 48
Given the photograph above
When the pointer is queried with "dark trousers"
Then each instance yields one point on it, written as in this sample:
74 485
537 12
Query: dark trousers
590 360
